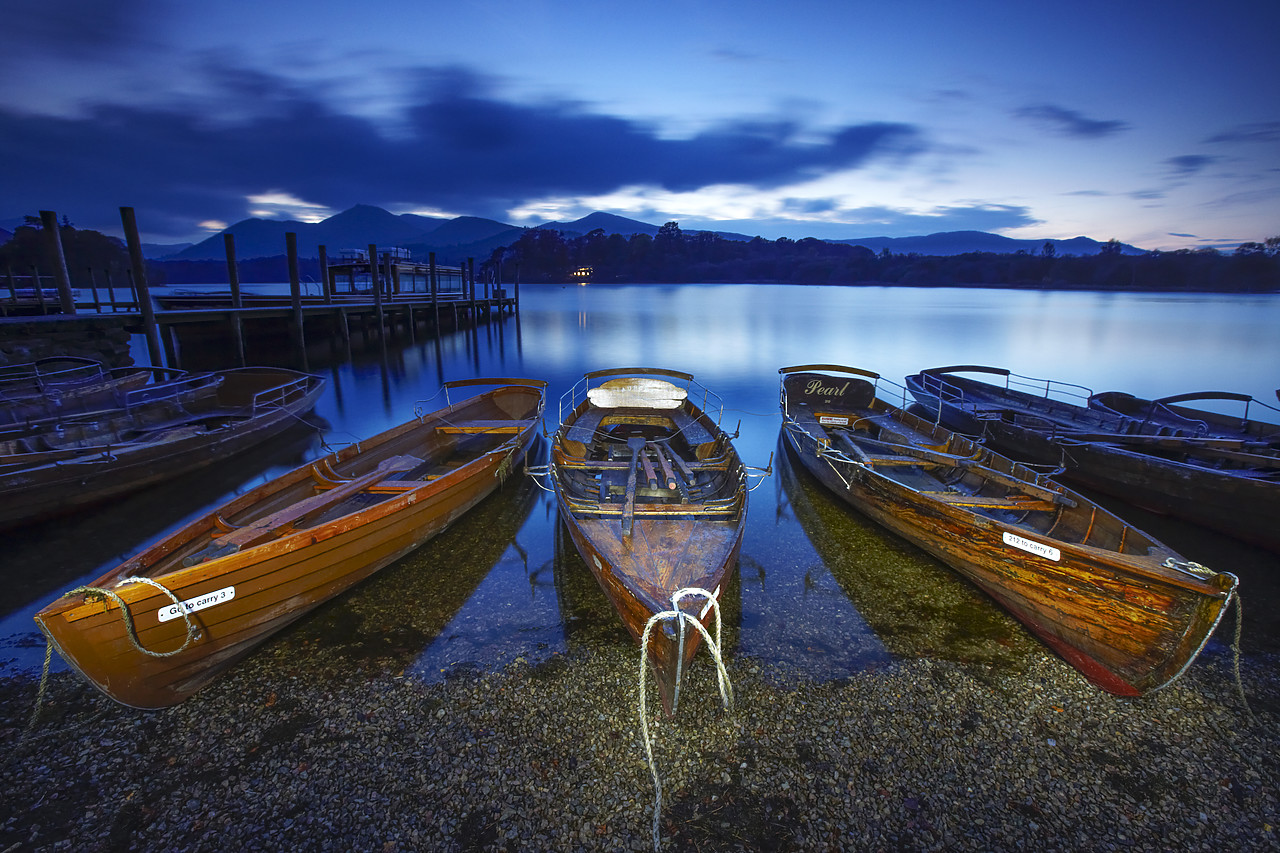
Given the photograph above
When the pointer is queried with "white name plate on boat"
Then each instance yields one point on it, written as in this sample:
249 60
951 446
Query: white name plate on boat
1038 548
833 420
174 611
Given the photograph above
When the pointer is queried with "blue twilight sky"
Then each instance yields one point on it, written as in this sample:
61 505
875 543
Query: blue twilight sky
1156 123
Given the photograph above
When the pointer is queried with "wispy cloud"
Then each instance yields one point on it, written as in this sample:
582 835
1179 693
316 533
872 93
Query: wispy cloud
76 30
1187 165
1266 131
829 219
1066 122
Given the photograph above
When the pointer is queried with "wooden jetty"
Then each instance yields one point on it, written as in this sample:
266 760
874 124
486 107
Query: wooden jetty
380 291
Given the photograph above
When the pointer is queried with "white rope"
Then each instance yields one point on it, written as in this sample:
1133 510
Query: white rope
726 689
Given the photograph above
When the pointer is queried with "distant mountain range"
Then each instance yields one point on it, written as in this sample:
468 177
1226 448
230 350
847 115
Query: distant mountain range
455 239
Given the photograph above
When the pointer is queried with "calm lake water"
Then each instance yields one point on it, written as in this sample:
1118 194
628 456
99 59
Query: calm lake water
822 592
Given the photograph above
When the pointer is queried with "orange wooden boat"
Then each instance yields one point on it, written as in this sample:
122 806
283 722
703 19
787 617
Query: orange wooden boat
1120 606
164 623
654 497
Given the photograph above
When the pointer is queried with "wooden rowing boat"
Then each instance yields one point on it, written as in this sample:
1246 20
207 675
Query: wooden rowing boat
54 387
654 497
1231 484
1167 417
166 622
1120 606
162 431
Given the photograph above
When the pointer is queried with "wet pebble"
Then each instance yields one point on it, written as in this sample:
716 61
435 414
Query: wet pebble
918 755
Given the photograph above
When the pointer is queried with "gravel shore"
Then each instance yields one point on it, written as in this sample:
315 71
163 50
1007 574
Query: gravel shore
913 755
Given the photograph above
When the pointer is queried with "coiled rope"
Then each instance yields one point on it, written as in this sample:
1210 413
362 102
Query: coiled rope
722 676
92 593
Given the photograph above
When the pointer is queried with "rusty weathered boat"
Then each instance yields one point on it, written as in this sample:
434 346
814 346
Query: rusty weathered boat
654 496
1123 608
62 385
1167 417
164 623
162 431
1226 483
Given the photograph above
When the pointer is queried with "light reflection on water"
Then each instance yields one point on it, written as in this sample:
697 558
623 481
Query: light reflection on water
821 592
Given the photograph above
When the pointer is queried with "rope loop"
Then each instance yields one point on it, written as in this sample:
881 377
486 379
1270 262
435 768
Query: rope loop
95 593
726 689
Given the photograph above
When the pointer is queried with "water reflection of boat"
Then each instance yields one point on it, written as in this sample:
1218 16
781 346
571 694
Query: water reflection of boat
43 557
496 602
1120 606
654 496
912 606
1193 467
158 627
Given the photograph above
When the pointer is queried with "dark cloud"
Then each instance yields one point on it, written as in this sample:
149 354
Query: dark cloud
1067 122
1266 131
1189 164
74 30
457 148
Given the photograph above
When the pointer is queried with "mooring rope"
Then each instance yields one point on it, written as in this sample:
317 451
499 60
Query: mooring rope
726 689
1235 653
95 592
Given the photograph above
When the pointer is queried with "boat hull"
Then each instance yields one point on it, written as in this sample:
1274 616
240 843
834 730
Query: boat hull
39 486
644 544
1123 620
1166 475
251 594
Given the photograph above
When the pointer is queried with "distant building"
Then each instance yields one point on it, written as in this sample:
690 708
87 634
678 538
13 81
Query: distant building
581 275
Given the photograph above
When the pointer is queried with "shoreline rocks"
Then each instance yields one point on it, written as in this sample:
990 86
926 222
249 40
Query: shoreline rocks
918 754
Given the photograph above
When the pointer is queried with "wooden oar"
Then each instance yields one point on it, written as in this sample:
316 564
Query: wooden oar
270 526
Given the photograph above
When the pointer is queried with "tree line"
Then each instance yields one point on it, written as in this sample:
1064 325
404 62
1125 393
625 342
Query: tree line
675 256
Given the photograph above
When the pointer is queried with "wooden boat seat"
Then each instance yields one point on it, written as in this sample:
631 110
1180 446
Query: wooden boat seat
693 432
270 526
584 428
980 502
878 459
477 426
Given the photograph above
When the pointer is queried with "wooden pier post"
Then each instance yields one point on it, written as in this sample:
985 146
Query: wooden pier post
93 288
139 270
375 276
111 291
49 221
295 293
38 290
433 275
237 302
469 272
324 276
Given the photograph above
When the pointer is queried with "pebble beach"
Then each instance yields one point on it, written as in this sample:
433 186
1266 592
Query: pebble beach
351 754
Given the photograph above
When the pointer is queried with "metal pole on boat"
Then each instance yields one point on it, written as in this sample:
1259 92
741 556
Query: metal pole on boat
139 272
49 221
